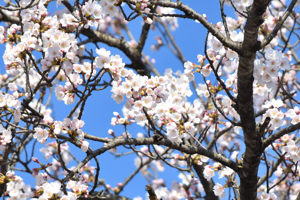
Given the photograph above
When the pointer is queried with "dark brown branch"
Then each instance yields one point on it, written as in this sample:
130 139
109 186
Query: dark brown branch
151 192
147 141
248 175
279 134
143 37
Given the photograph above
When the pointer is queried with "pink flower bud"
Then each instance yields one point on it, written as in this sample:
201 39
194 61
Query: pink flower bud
116 114
35 159
111 132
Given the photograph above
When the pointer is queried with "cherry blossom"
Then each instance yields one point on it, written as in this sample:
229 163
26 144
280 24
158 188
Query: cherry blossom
45 50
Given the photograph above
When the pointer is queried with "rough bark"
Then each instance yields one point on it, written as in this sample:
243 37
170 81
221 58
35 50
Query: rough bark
248 174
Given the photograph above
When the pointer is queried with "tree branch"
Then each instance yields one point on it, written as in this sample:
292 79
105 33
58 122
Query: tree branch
192 14
279 134
147 141
248 175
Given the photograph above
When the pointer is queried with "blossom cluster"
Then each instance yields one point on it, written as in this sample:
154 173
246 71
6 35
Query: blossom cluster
267 196
188 187
290 170
162 99
290 149
278 117
142 9
6 136
109 7
15 186
209 172
11 100
176 192
112 64
67 126
268 73
52 190
105 62
49 34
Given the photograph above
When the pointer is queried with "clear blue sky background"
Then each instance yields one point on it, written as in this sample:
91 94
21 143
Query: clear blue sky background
190 37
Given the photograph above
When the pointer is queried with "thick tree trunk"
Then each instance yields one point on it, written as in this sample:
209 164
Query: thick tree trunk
248 174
